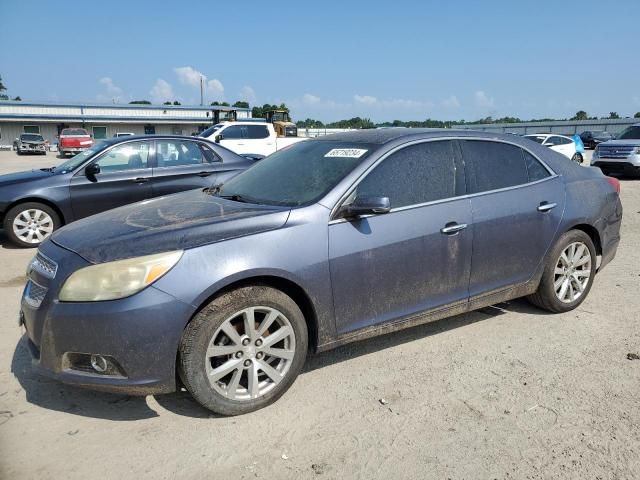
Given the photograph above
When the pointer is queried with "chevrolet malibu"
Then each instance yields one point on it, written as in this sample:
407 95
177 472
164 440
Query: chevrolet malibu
224 290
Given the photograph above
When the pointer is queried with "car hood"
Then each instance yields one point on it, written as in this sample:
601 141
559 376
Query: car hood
635 143
176 222
21 177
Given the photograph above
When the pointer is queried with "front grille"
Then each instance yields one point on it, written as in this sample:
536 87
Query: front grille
34 294
44 265
615 151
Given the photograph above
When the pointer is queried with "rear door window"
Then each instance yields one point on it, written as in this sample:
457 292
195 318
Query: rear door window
257 131
177 153
416 174
535 170
493 165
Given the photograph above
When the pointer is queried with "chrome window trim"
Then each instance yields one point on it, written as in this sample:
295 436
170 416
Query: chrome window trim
349 191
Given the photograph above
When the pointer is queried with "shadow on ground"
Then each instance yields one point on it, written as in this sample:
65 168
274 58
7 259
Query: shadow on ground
53 395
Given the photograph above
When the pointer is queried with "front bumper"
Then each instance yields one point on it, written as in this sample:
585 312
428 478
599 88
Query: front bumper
141 333
31 148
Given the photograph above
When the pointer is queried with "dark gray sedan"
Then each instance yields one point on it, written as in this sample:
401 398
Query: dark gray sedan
109 174
330 241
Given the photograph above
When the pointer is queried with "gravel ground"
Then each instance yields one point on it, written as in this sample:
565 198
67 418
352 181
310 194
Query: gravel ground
506 392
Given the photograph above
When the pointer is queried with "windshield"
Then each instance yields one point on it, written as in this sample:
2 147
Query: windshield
631 133
209 131
31 137
298 175
74 132
77 160
537 138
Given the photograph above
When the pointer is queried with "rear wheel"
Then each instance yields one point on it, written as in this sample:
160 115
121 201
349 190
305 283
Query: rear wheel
243 350
577 158
568 274
29 224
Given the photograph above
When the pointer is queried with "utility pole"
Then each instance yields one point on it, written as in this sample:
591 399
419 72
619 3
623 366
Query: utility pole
201 92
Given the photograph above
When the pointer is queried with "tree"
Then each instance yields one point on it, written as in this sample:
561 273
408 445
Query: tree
3 89
310 123
176 102
241 104
220 104
167 103
580 115
613 115
637 115
139 102
17 99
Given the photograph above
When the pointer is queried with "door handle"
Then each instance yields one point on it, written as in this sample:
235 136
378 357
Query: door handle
545 206
205 174
140 180
453 228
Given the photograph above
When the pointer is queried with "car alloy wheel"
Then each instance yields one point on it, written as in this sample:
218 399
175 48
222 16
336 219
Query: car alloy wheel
572 272
32 226
250 353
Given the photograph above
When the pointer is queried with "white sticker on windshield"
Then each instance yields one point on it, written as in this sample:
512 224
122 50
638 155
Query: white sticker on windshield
346 152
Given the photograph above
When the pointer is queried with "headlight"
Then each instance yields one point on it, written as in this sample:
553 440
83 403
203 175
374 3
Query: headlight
119 279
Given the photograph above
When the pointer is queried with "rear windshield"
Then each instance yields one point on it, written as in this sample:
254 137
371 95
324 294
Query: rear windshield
75 132
631 133
298 175
31 137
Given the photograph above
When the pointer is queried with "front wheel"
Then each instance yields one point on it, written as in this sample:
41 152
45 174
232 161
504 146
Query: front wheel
29 224
568 274
243 350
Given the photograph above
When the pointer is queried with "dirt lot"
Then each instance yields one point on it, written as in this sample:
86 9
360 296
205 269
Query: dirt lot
507 392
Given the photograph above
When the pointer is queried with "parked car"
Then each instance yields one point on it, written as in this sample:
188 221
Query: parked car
257 139
330 241
621 156
109 174
591 138
31 143
561 144
73 140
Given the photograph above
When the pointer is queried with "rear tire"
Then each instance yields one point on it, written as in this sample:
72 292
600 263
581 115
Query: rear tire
226 358
577 158
16 221
565 284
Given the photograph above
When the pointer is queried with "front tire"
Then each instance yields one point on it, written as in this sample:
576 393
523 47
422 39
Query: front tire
243 350
568 273
28 224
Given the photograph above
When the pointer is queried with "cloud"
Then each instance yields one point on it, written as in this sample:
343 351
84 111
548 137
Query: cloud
191 77
482 100
112 93
248 94
366 99
309 99
161 91
451 102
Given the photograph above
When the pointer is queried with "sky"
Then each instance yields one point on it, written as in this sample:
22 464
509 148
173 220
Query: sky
330 60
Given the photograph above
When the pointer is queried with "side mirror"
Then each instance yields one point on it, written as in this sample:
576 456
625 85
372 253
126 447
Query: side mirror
218 138
366 205
92 170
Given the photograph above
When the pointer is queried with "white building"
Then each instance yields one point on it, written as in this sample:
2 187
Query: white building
104 121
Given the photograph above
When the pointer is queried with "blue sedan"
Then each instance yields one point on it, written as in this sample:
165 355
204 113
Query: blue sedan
336 239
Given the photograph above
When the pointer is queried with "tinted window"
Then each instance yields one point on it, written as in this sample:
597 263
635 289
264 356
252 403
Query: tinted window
128 156
210 155
31 137
257 131
416 174
535 169
176 153
232 133
537 138
493 165
298 175
631 133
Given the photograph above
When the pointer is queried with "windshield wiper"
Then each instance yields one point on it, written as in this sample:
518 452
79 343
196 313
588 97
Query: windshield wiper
236 198
214 189
48 169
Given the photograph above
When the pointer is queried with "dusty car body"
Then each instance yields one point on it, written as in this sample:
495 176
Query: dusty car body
361 257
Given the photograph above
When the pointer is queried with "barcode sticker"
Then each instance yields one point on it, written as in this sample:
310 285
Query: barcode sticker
346 152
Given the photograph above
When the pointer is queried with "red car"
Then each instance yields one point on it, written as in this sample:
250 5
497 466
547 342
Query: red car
74 140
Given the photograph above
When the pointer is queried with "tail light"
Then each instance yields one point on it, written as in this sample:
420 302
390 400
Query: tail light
615 183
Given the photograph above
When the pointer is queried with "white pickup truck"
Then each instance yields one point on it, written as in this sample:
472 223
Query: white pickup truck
256 139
